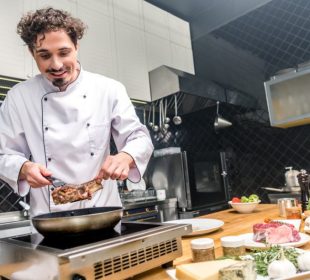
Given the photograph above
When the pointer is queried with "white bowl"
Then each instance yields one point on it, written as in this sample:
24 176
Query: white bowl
244 207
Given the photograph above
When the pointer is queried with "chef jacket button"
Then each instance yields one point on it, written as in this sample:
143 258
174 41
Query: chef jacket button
84 96
92 154
49 159
46 128
45 98
88 124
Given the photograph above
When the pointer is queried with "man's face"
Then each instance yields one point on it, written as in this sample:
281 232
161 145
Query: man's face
56 58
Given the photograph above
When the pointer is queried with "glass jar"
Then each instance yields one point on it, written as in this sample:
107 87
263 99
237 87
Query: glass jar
203 249
233 246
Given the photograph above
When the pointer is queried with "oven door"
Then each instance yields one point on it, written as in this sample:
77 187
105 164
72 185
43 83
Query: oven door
142 214
207 182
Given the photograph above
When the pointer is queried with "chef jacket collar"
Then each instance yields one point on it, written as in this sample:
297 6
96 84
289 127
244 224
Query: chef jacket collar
49 87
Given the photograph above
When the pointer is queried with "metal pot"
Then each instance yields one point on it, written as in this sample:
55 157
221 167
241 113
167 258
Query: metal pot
291 179
78 221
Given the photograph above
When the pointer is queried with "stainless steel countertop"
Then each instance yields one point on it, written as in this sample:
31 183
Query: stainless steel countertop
14 223
148 203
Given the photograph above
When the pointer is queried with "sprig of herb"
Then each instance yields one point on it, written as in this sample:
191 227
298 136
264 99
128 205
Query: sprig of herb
263 257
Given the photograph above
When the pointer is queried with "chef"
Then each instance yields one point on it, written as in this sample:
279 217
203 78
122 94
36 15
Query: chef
60 122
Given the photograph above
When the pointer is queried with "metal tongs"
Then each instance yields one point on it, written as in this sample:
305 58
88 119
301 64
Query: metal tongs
55 181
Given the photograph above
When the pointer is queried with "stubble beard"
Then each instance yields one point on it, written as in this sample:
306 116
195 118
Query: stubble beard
59 82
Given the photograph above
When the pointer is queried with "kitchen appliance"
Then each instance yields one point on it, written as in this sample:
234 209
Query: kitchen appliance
291 183
150 211
291 180
77 221
288 97
199 184
114 254
13 223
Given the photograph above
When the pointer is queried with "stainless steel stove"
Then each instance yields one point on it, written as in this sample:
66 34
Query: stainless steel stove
127 250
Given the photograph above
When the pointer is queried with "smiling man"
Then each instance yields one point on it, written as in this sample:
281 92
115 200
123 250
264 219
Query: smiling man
56 57
59 123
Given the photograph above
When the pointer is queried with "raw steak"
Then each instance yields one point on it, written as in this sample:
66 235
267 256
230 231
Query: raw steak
275 233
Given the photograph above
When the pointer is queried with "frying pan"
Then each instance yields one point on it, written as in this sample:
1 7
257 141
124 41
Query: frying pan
77 221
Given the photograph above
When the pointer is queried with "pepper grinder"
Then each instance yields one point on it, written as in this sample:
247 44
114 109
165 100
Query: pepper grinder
303 180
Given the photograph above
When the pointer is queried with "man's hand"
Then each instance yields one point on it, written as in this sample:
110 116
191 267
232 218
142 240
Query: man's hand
34 174
116 167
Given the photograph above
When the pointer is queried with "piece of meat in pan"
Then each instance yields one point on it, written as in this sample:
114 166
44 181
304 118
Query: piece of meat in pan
71 193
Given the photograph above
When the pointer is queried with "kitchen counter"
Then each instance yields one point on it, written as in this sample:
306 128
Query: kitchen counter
235 224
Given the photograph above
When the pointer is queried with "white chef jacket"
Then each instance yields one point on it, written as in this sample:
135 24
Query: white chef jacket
69 132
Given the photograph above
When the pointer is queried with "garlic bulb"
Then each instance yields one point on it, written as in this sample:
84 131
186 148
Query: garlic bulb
281 268
303 261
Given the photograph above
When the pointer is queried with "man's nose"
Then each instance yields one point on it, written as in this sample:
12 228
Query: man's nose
56 63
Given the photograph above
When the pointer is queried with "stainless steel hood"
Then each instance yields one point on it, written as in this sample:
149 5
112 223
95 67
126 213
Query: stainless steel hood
165 81
193 93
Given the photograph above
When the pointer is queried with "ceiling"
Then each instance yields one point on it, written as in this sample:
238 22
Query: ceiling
240 44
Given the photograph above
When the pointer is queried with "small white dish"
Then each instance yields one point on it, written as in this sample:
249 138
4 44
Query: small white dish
244 207
200 226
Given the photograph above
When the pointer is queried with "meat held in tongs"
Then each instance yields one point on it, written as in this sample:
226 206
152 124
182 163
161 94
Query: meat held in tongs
71 193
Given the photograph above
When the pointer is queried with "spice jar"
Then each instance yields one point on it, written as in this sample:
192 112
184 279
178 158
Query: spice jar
203 249
233 246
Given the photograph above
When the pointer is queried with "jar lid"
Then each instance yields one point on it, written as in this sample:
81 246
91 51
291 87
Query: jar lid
202 243
232 241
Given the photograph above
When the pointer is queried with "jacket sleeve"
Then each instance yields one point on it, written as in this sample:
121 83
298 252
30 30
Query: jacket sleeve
129 134
14 151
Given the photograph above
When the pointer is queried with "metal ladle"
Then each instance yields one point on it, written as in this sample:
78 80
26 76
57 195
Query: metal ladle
220 122
166 119
155 127
150 123
176 119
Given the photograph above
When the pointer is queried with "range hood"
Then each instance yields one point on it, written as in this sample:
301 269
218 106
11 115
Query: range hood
193 93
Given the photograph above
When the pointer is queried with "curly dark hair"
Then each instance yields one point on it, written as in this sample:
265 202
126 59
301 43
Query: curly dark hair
45 20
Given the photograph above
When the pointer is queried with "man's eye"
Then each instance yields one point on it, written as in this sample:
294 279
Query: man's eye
45 56
64 53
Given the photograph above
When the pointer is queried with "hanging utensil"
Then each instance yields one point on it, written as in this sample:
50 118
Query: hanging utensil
155 127
161 128
167 119
144 116
176 119
149 118
220 122
164 126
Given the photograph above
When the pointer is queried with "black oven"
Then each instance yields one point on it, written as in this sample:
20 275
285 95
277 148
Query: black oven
200 184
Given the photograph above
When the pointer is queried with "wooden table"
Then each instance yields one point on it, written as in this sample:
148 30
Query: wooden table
235 224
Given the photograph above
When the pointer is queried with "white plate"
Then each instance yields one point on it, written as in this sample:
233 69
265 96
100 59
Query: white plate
307 273
200 226
295 222
250 243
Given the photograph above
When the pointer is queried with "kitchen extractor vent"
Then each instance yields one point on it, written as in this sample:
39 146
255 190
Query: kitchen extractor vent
112 266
